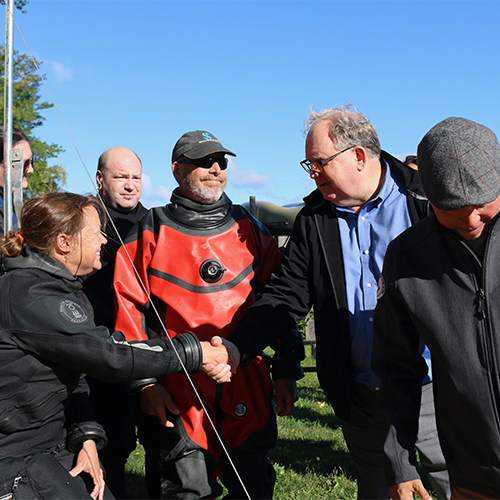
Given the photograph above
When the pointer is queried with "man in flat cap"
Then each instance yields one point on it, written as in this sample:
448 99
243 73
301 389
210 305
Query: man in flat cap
203 261
440 284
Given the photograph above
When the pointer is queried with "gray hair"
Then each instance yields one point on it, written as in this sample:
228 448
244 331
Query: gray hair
349 128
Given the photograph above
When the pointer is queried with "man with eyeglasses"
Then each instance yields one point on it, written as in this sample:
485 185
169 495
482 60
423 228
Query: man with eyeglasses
119 183
364 198
203 261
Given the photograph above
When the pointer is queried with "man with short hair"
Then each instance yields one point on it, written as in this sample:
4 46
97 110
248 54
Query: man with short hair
364 198
119 181
439 285
119 184
202 261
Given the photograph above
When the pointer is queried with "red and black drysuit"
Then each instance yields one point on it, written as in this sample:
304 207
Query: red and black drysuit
202 266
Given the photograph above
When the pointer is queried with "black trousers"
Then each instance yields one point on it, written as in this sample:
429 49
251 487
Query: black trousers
119 412
188 469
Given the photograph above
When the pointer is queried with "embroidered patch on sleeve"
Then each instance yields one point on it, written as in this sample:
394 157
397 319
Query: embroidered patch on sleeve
72 312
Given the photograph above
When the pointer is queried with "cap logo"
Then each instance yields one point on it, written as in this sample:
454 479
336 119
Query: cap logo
207 137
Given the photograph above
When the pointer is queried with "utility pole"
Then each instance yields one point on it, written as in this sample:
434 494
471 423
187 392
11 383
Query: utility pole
8 100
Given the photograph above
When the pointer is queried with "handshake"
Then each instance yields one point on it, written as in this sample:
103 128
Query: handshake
220 359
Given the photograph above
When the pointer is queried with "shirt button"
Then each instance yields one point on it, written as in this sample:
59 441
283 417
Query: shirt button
362 218
369 285
370 320
377 388
366 252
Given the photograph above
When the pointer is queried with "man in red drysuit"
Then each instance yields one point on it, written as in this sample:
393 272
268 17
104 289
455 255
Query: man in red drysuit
203 261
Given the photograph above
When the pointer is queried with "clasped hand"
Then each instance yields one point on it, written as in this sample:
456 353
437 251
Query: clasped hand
220 359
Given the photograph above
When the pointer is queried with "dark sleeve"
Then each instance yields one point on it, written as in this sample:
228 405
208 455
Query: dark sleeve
79 407
81 423
284 300
61 330
397 362
80 419
288 353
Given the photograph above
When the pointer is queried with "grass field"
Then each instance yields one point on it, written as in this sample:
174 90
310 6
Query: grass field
311 459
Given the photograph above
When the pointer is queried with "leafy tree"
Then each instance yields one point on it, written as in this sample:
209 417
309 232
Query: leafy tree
26 115
18 3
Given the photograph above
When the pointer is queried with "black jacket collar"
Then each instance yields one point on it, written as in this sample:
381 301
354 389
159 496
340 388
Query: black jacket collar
29 258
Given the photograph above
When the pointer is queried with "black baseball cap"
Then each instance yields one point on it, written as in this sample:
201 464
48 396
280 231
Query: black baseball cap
198 144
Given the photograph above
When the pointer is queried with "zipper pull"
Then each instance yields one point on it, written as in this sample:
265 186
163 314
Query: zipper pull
481 304
15 484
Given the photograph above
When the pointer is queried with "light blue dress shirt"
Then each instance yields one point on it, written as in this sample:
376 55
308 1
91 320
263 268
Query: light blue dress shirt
364 239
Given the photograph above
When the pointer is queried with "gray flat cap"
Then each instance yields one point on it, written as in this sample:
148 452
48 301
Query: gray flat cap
459 164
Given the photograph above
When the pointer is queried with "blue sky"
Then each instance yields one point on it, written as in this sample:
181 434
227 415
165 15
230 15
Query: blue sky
141 73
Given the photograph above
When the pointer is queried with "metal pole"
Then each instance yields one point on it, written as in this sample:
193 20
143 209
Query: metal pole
8 96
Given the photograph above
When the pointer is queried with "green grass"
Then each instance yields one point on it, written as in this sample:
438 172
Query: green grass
311 459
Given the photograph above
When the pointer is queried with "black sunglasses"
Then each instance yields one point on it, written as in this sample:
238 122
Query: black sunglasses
31 160
207 162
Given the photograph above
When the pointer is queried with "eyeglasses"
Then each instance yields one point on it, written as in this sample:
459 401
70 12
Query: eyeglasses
207 162
31 160
309 166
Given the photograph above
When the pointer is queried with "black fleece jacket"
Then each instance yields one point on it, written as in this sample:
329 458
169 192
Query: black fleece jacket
47 337
436 289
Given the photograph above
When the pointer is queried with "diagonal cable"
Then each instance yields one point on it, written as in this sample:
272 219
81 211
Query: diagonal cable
132 263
